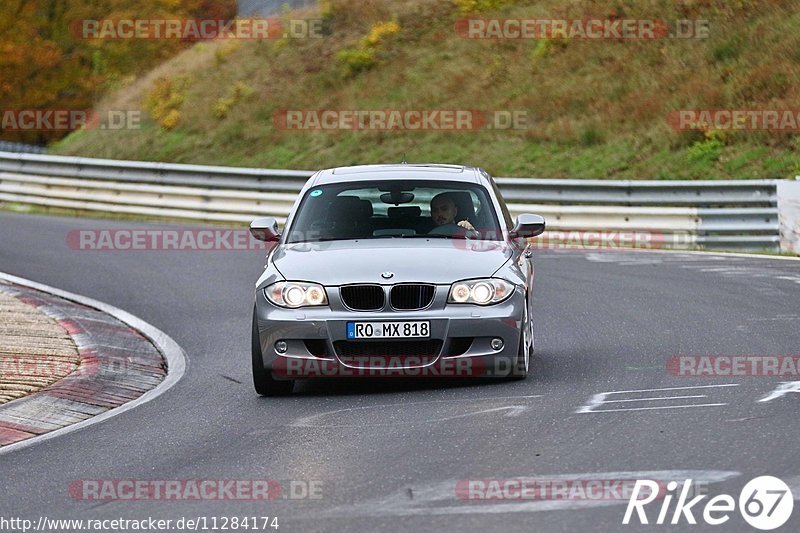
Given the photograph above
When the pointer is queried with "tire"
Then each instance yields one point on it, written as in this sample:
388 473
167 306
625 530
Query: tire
522 364
263 381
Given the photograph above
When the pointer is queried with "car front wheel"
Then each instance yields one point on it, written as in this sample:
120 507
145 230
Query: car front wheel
263 381
523 361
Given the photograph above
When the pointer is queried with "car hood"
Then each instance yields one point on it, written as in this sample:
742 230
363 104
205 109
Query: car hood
439 261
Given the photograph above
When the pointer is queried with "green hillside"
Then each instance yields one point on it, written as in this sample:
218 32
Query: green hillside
595 108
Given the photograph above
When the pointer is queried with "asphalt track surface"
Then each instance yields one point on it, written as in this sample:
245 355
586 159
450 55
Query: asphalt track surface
389 453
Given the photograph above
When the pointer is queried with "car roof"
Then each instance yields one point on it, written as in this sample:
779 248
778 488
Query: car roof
401 171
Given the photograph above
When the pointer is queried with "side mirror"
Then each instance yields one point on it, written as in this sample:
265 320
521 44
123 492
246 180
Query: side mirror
527 226
265 229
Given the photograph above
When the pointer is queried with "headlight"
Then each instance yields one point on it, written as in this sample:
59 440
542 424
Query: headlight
480 291
294 294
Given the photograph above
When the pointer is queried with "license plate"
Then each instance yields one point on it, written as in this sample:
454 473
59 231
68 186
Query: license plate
385 330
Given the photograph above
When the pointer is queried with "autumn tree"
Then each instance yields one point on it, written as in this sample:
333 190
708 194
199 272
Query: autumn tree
47 63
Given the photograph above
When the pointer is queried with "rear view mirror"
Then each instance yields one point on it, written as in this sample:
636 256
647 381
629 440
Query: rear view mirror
397 197
265 229
527 226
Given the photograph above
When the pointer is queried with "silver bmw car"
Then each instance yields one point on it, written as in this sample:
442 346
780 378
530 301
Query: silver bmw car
394 270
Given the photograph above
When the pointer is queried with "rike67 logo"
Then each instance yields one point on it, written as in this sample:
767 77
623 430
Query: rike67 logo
765 503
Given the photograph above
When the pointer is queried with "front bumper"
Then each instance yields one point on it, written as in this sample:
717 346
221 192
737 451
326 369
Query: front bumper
459 344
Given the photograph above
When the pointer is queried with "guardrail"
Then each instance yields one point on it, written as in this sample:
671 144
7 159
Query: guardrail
685 214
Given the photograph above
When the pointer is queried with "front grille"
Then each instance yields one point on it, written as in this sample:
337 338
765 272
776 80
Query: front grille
420 348
411 296
363 297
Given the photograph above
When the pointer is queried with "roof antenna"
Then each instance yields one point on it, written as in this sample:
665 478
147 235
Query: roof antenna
404 162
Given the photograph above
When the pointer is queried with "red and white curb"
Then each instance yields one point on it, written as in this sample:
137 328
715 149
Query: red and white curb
124 362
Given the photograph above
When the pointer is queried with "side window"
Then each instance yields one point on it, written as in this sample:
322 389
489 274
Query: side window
503 207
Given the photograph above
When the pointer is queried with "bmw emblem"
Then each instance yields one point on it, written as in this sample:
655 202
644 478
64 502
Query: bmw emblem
387 275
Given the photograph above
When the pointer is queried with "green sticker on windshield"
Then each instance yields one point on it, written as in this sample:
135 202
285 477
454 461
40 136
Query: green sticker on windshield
316 192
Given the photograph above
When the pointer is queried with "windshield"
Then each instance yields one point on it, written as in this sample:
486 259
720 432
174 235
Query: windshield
394 209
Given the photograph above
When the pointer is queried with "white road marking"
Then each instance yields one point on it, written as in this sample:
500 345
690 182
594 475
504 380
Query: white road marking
654 408
784 388
654 399
775 318
514 410
601 399
677 388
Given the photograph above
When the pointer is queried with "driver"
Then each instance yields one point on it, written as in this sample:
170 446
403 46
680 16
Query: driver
444 212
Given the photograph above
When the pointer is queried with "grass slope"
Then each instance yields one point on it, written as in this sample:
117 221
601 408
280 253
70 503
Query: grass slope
598 109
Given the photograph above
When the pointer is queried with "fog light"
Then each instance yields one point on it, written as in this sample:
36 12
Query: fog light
281 346
497 344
